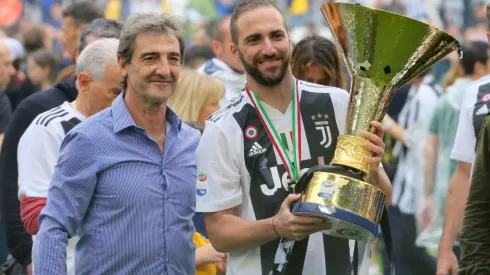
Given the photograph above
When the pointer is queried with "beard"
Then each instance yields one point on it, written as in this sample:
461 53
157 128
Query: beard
258 76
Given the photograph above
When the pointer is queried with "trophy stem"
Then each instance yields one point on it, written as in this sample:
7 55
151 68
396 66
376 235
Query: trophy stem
351 152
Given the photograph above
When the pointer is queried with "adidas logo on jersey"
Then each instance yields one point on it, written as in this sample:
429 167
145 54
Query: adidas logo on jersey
256 149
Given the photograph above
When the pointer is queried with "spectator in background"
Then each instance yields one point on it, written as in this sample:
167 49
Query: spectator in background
35 39
75 18
196 97
40 69
19 86
19 241
439 167
225 67
316 59
7 70
197 55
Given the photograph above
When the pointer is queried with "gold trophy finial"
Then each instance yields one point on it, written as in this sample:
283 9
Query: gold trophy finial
383 51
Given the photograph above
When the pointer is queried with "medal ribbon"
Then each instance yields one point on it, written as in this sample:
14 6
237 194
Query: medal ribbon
292 168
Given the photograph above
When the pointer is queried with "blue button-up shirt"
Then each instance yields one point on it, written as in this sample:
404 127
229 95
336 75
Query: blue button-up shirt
130 203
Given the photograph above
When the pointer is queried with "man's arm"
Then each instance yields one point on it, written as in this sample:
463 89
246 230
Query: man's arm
222 179
36 165
222 228
455 203
69 196
475 240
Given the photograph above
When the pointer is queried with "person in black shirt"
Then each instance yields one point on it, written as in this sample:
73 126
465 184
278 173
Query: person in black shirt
19 241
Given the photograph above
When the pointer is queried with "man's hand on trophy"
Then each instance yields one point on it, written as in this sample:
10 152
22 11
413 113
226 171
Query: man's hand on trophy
375 144
294 227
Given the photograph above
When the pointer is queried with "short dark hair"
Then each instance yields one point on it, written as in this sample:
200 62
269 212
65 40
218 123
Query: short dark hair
217 28
197 54
474 52
83 12
243 6
103 28
33 39
45 59
137 23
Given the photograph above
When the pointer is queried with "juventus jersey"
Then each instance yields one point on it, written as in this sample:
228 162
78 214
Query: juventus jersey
38 152
474 110
239 168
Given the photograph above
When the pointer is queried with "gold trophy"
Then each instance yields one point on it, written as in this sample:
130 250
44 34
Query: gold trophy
382 51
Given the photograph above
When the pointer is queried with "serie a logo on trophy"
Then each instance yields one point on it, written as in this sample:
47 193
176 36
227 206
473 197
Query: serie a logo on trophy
382 51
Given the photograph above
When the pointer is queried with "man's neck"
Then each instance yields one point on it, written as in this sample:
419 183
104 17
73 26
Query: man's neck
79 105
146 115
278 97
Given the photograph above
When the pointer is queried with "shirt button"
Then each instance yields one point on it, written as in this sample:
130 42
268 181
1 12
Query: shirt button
168 229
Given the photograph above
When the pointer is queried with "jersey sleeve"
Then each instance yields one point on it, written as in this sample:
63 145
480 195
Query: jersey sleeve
37 155
465 140
218 178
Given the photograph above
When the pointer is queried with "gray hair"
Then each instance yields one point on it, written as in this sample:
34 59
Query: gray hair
97 56
103 28
148 22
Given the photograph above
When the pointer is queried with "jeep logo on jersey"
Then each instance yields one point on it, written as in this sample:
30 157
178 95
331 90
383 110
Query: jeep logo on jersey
279 181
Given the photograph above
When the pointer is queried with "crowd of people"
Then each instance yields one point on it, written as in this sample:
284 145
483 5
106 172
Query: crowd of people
137 152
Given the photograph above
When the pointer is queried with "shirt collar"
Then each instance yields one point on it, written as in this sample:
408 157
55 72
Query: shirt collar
122 118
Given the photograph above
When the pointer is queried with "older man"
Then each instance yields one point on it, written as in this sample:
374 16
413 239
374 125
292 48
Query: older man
98 85
125 178
19 241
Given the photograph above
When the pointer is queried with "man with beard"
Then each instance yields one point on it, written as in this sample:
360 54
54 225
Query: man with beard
244 170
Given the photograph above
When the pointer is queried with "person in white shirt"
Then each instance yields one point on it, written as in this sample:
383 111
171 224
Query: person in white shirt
244 187
98 84
224 67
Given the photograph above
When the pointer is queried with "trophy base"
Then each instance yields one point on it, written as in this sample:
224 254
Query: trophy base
345 225
338 194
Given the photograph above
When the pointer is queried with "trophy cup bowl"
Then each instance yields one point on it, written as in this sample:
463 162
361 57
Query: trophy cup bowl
383 51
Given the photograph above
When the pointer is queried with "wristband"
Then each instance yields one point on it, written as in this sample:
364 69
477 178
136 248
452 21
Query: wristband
274 226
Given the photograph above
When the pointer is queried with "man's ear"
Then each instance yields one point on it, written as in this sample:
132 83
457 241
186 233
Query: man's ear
216 47
122 65
84 80
234 51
